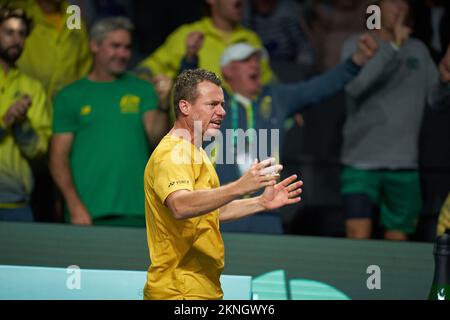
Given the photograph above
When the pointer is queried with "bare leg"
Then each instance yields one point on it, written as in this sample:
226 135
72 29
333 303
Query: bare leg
358 228
395 235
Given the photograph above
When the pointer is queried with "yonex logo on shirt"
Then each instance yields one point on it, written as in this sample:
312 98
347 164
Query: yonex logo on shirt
171 184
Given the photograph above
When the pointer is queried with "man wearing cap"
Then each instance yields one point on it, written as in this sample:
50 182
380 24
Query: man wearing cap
251 105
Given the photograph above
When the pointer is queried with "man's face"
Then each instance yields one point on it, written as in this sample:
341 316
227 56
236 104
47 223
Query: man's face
244 76
208 108
391 10
230 10
114 52
13 33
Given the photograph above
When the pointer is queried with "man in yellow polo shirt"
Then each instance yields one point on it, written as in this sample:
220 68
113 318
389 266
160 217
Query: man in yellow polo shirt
24 120
203 42
185 203
54 54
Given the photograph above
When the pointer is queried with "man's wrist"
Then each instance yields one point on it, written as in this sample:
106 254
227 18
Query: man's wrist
358 59
235 189
261 203
73 202
191 57
6 122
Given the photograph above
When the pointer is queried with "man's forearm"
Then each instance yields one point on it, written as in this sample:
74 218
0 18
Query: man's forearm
239 209
192 204
26 138
381 67
319 88
63 178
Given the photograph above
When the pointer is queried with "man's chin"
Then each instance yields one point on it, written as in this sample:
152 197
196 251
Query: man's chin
118 71
11 59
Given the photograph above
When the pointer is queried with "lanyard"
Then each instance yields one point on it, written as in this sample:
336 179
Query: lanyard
235 118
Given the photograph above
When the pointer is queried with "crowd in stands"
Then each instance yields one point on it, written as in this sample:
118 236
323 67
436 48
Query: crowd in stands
363 114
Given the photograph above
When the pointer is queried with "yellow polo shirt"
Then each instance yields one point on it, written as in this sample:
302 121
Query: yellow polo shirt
16 179
167 58
54 56
187 256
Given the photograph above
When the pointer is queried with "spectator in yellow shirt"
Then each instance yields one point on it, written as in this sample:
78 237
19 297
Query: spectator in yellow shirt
24 119
54 54
203 42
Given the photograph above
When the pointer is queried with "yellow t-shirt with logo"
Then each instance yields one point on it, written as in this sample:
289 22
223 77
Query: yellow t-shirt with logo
53 54
187 256
167 58
17 148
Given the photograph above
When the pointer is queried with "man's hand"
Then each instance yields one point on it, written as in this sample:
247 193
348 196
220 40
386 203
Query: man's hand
284 193
367 47
194 43
401 32
444 67
17 111
260 175
79 215
163 85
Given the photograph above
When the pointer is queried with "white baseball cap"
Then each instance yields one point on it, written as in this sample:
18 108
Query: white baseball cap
237 52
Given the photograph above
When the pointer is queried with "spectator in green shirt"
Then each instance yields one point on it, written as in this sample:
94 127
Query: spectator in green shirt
104 125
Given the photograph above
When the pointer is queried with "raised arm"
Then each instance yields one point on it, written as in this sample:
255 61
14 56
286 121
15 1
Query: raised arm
384 63
300 95
166 59
156 123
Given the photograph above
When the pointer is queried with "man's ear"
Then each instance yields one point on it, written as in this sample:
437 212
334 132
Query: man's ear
185 107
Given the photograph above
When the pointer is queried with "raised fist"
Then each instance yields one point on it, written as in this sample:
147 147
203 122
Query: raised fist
163 85
194 43
367 47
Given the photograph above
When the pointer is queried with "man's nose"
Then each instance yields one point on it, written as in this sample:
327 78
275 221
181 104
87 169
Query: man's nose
17 38
221 111
124 53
